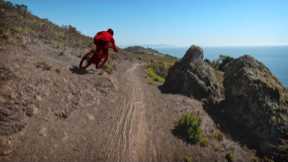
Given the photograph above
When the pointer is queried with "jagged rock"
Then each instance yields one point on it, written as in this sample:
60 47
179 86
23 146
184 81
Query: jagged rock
192 76
258 101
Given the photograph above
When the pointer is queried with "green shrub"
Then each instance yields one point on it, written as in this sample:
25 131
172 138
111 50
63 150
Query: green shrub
188 159
218 136
254 159
160 68
221 62
189 129
267 159
229 157
204 142
155 77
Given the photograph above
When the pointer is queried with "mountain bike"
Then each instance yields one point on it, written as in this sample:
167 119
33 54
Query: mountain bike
91 57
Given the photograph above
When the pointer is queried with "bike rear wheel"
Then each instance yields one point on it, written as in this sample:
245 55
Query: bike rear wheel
86 61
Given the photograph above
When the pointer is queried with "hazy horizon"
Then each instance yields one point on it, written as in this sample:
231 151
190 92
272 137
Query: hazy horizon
205 23
208 46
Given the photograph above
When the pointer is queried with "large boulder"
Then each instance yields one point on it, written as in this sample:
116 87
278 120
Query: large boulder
193 77
256 100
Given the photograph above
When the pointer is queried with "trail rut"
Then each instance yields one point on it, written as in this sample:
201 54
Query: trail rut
128 140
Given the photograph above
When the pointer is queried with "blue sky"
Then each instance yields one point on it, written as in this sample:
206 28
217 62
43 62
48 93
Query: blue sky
173 22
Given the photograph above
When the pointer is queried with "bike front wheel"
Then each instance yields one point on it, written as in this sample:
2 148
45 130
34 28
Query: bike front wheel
86 60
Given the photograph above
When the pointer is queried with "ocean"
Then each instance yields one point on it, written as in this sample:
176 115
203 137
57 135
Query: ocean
275 58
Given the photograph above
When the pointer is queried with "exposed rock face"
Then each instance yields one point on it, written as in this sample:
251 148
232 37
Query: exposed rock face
193 54
192 76
257 100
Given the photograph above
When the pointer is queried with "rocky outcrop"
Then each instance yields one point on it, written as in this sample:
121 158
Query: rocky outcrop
193 54
193 77
256 100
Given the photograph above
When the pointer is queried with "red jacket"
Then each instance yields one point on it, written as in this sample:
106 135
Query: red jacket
107 37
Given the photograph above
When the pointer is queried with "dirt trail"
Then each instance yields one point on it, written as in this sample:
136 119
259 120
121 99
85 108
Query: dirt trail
128 140
89 117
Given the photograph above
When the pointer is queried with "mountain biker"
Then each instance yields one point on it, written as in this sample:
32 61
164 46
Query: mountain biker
103 41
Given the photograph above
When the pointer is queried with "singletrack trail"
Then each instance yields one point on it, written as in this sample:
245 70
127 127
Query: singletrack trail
129 137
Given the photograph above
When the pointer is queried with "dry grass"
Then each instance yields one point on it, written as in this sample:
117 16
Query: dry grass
25 26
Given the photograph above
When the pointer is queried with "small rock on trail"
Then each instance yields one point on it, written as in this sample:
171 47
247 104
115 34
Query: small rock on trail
43 132
6 146
90 117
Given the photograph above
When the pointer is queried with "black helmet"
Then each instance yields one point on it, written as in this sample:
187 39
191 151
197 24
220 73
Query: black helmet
110 31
